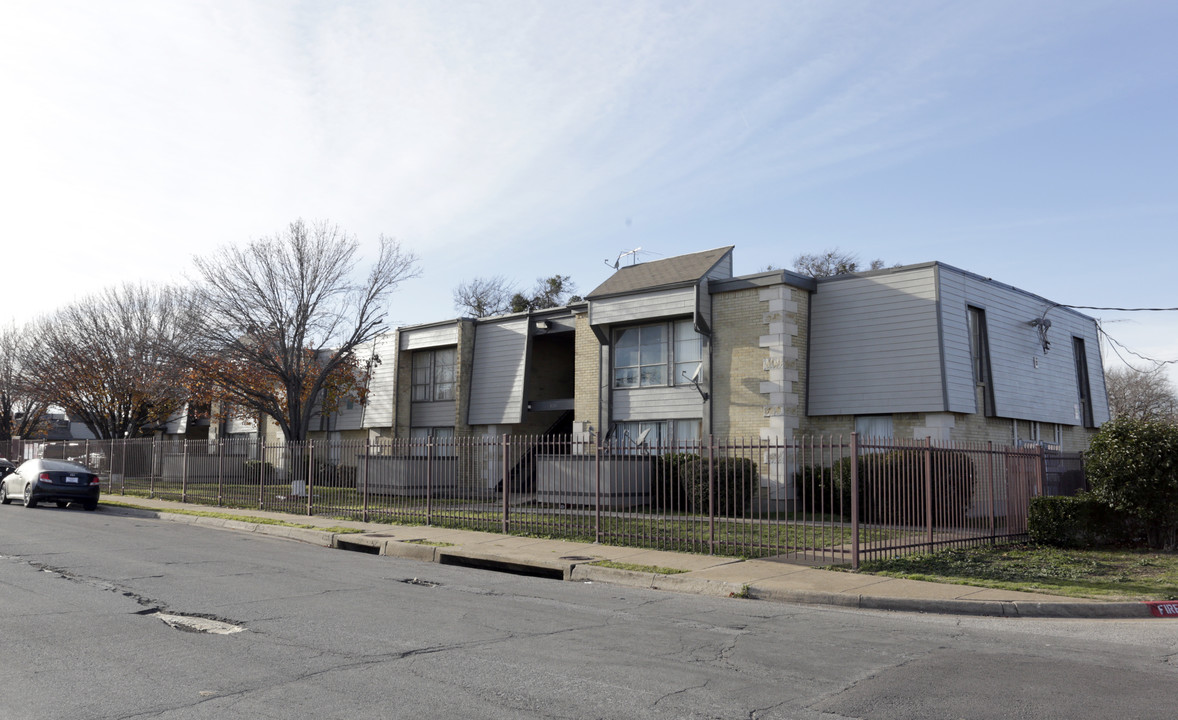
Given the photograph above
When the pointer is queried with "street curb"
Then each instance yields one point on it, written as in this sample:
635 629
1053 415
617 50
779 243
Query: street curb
672 583
322 538
981 608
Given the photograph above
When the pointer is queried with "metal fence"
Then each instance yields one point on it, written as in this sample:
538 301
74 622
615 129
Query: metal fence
825 500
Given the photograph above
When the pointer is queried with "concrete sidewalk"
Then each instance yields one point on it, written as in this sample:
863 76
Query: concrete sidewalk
700 574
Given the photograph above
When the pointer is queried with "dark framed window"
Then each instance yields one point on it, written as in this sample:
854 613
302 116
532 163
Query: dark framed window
1083 389
979 349
657 355
433 375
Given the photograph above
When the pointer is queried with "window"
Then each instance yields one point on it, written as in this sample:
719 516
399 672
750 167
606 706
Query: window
877 427
443 441
1083 390
645 355
433 375
979 348
661 435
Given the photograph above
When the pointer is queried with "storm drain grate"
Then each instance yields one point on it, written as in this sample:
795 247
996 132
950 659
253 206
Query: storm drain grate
502 566
357 547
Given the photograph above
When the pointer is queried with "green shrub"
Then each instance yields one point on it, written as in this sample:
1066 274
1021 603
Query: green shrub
1132 466
668 489
735 480
1078 521
331 475
891 487
823 490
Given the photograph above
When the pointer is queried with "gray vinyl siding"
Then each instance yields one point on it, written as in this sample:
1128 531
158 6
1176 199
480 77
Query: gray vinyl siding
497 381
241 425
432 414
630 308
874 345
668 403
428 337
722 269
1046 393
382 385
960 387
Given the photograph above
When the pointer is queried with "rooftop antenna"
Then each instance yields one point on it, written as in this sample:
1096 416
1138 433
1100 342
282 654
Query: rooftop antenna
618 260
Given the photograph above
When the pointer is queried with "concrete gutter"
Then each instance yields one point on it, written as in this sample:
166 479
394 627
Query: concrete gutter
703 575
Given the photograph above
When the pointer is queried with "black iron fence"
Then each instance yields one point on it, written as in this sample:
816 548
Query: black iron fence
837 500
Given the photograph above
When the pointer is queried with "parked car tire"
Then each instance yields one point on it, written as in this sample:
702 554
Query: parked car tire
4 499
28 499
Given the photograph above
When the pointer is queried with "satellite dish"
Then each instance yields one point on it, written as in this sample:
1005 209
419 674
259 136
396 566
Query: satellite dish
642 437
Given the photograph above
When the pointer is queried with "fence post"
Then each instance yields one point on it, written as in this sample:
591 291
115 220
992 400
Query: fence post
311 474
262 474
854 501
711 495
110 468
1040 473
506 486
184 472
597 493
123 475
151 470
429 475
367 469
928 489
220 470
991 482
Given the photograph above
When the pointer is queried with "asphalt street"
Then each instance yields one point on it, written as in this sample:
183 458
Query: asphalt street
332 634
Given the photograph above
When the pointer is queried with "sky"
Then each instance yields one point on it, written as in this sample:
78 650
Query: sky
1032 142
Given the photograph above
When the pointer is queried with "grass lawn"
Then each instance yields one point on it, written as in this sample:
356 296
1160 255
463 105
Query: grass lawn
1107 573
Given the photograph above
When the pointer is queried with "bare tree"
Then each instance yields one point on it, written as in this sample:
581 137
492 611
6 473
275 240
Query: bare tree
548 292
21 407
1141 395
285 314
484 296
831 262
108 360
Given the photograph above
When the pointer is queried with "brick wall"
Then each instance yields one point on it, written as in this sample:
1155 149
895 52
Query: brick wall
758 362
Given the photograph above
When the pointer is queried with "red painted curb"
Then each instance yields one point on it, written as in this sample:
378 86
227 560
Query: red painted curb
1163 609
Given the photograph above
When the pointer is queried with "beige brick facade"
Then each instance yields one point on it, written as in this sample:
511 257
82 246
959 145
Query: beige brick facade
758 360
587 374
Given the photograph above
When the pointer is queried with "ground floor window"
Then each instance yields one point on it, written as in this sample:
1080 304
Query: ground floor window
443 438
873 428
659 435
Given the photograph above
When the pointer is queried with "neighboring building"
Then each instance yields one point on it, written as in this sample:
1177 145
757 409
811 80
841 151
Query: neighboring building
679 349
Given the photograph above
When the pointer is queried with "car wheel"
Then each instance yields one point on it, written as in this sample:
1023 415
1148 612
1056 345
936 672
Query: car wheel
62 503
29 501
90 505
4 499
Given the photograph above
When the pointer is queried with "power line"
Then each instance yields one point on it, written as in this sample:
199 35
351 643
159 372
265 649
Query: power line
1119 309
1114 344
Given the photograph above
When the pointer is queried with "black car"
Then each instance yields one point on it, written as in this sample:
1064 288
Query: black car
6 468
58 481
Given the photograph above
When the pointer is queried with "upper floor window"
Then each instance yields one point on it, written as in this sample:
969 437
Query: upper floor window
661 354
1083 390
979 348
433 375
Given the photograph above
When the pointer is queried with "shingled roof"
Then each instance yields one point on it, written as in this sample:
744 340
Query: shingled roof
659 274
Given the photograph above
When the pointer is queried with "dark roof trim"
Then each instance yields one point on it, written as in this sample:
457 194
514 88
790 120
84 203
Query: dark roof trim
764 279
